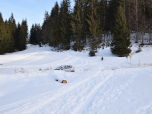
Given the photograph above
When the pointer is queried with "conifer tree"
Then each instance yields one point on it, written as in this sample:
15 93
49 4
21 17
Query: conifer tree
3 35
77 26
121 35
95 35
9 46
38 34
23 35
45 27
65 24
112 12
101 11
32 35
12 27
54 33
18 35
86 12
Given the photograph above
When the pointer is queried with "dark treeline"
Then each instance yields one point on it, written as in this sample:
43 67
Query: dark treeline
56 28
13 36
89 21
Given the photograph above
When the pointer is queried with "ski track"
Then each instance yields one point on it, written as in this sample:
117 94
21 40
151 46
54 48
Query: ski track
16 57
90 96
57 62
115 93
43 94
84 62
47 99
36 59
38 96
67 60
84 97
31 66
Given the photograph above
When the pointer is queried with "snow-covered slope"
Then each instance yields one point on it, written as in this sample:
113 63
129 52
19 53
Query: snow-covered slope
116 85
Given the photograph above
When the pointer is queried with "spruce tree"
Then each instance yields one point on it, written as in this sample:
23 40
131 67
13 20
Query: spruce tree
9 46
18 35
3 35
65 28
32 35
23 36
95 35
38 34
121 35
45 27
54 31
77 26
12 27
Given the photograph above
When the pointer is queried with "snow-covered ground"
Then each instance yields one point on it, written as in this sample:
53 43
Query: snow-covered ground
116 85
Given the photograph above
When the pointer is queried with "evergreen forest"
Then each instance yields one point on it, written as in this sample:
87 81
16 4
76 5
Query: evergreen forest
13 37
89 23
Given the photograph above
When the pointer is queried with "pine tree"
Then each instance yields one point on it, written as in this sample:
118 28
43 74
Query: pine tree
3 35
32 35
95 35
121 35
23 36
38 34
45 27
12 27
112 12
77 26
54 31
86 12
9 46
65 28
18 35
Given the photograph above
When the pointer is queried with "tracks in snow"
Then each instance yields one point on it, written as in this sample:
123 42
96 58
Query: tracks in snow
46 98
73 97
64 101
90 96
108 94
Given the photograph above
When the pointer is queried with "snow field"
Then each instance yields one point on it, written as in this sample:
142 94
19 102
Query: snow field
111 86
